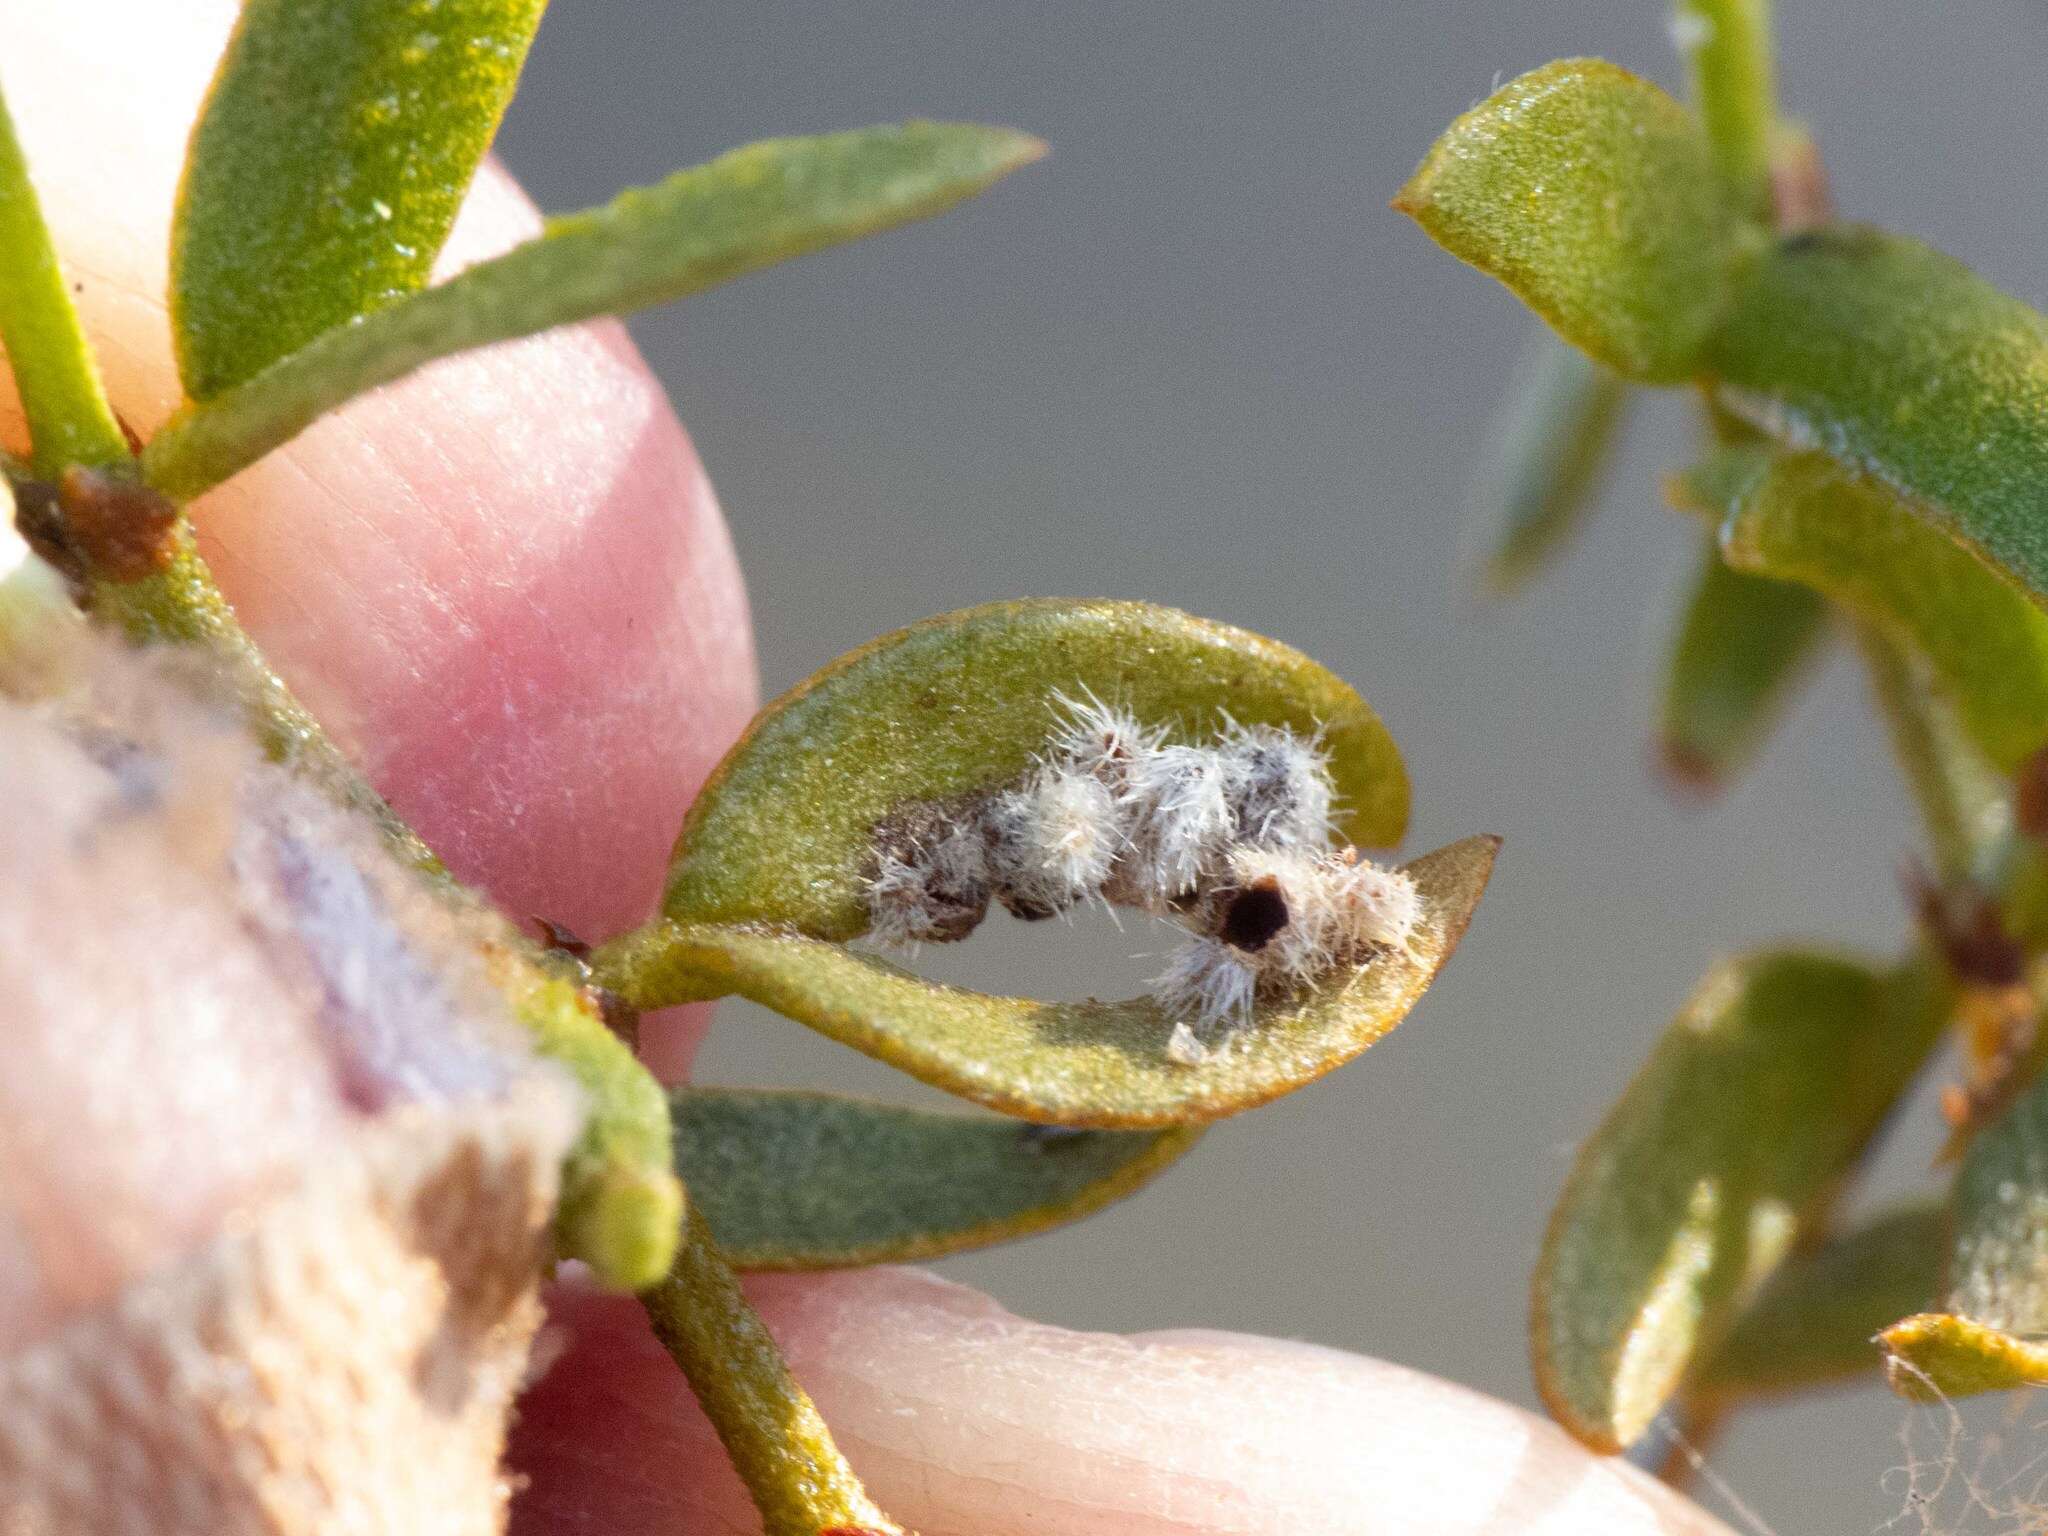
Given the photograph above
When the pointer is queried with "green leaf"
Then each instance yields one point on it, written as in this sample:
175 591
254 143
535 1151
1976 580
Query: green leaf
1762 1094
1742 646
1551 440
1812 522
1728 45
1902 363
1990 1337
747 210
1816 1322
1595 198
820 1181
960 704
69 421
327 166
1089 1064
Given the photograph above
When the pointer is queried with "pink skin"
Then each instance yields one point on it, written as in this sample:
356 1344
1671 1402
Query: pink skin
507 585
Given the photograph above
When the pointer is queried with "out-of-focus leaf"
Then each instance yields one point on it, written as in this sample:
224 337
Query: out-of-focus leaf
329 160
1089 1064
1816 1322
1760 1096
1901 362
1962 800
747 210
1993 1333
1594 196
962 703
1550 442
55 377
1728 45
1720 482
1742 645
1810 521
820 1181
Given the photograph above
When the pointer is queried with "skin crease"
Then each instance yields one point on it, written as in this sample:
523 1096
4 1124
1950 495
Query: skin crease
486 579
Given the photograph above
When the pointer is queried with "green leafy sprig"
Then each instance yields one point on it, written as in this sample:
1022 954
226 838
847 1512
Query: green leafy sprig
1876 463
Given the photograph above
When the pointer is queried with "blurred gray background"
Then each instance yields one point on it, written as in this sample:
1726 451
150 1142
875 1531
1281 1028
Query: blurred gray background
1193 358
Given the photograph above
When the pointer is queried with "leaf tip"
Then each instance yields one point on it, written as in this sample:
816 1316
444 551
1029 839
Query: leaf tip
626 1225
1935 1355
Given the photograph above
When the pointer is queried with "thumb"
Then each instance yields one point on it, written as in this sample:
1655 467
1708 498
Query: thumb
964 1420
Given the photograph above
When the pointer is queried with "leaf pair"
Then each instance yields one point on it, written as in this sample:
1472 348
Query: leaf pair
1716 1163
769 880
1593 196
325 173
327 169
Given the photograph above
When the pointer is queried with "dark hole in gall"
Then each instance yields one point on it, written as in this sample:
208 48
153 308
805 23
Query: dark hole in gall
1254 915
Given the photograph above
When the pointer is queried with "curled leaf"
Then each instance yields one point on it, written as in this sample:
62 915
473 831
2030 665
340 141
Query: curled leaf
746 210
821 1181
1991 1334
326 168
1900 362
1595 198
1695 1188
1810 521
1816 1321
1742 646
1551 438
785 830
621 1208
1086 1064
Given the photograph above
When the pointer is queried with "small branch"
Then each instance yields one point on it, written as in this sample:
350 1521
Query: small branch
69 420
781 1447
179 604
1728 45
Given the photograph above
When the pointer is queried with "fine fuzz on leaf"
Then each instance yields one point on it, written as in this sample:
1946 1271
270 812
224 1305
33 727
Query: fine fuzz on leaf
327 166
819 1181
746 210
1763 1092
1595 198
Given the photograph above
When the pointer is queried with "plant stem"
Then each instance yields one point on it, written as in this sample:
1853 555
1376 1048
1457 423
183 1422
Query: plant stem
1728 45
770 1428
180 605
69 420
650 968
1960 798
